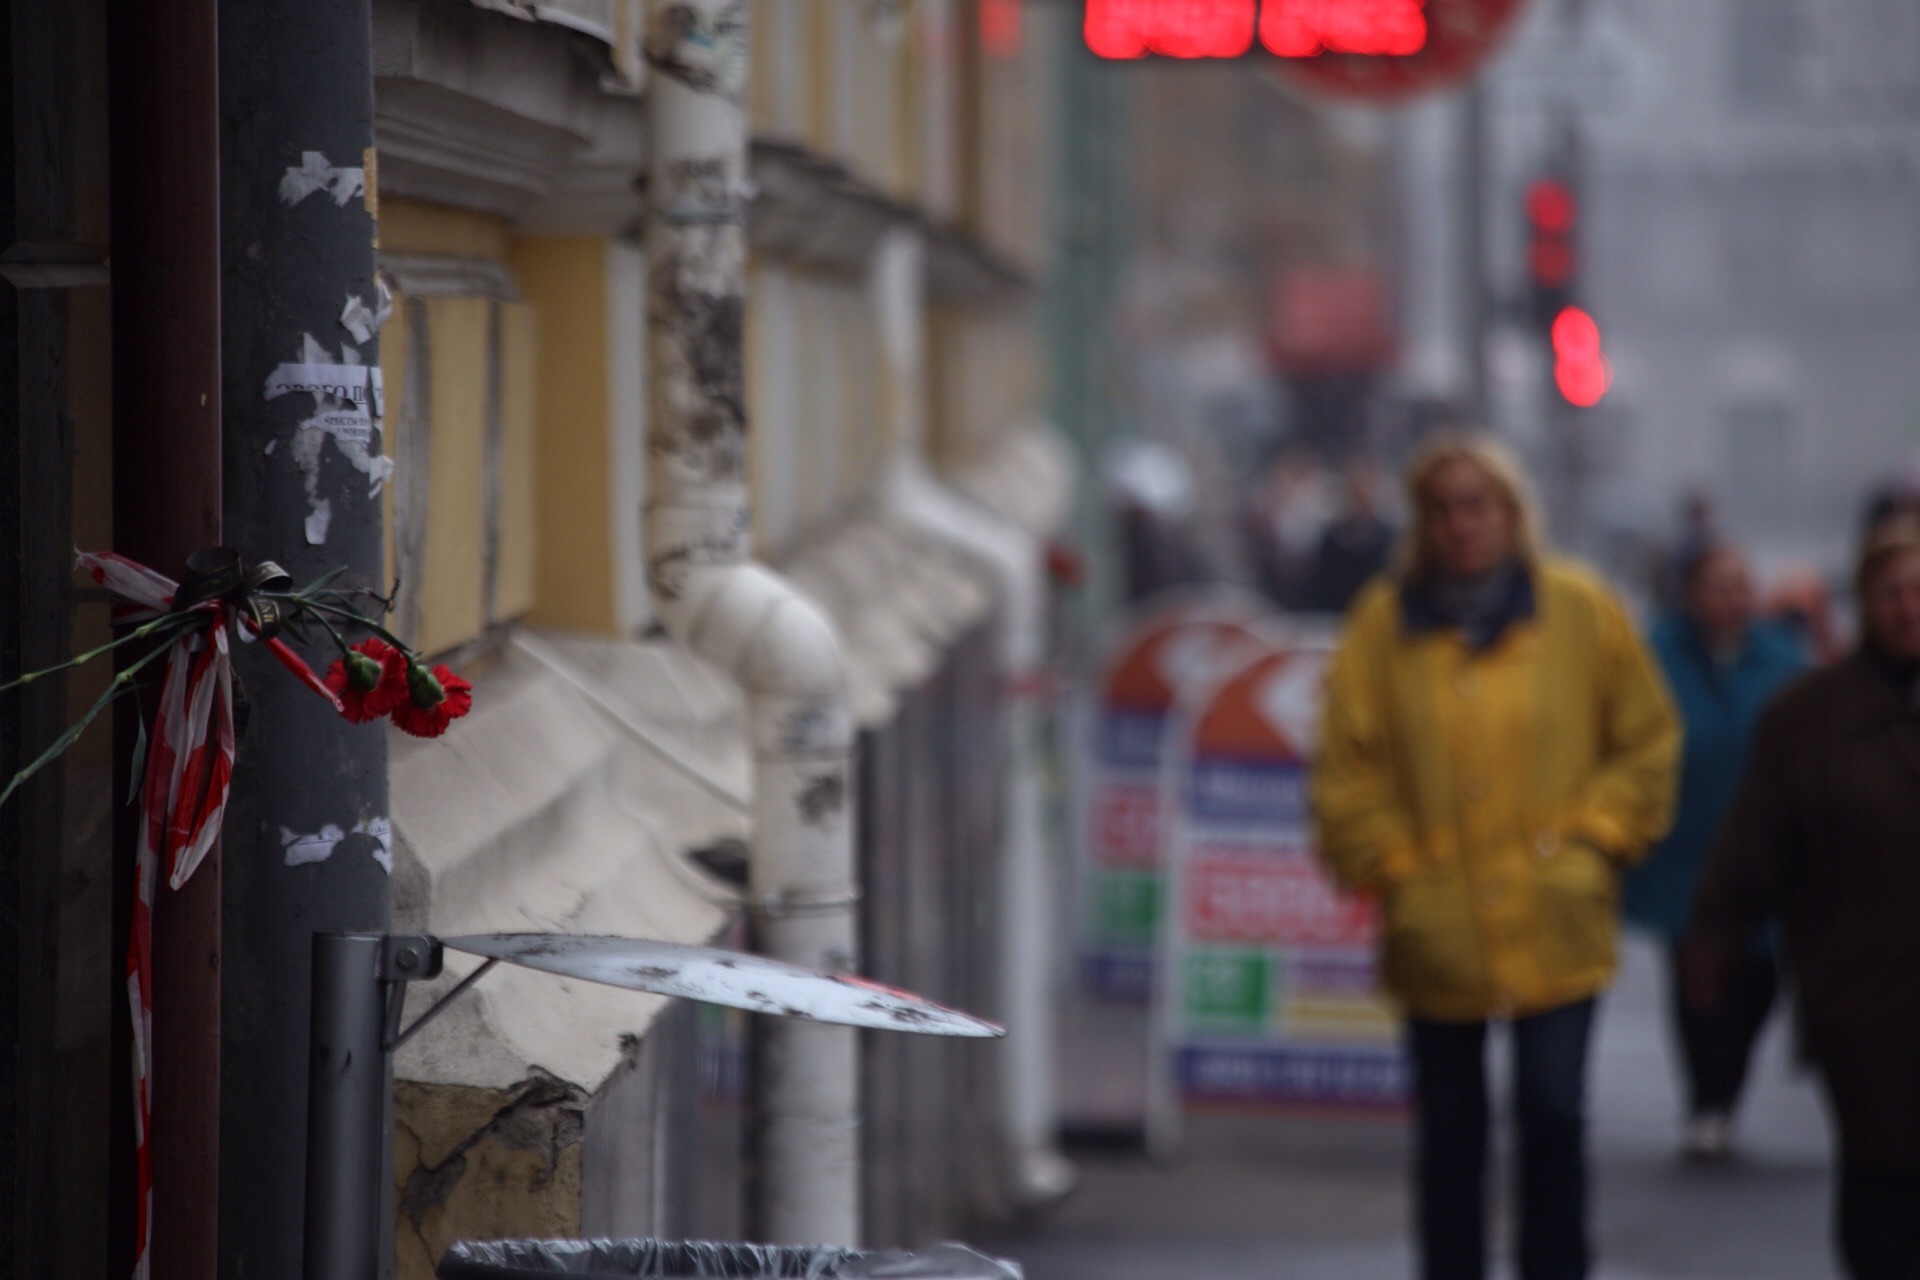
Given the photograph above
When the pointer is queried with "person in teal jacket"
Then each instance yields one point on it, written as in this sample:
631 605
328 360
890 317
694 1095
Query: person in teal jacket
1723 664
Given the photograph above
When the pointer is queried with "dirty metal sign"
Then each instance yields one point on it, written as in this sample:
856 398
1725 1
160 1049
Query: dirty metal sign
730 978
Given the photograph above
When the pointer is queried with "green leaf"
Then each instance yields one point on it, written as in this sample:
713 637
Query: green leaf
138 767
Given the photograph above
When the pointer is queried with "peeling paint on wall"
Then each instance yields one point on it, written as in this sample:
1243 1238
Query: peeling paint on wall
479 1163
822 799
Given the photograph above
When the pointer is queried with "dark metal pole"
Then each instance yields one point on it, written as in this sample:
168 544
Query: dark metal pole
165 155
297 206
346 1107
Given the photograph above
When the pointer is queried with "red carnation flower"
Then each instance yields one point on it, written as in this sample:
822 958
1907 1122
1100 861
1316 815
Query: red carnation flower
435 699
370 681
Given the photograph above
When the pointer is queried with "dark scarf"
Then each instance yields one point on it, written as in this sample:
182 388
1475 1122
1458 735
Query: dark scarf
1481 607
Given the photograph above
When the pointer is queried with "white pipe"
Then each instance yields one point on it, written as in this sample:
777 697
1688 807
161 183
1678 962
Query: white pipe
739 616
1037 1173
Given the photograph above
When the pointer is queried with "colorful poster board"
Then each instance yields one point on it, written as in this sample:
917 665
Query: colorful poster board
1267 995
1118 883
1121 726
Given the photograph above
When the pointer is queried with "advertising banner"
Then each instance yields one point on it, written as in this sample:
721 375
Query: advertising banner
1119 881
1122 729
1267 993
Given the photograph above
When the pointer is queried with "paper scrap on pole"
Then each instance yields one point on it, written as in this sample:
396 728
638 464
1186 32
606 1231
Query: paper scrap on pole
342 393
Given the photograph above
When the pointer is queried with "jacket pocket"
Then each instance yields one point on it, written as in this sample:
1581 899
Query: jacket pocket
1578 892
1431 952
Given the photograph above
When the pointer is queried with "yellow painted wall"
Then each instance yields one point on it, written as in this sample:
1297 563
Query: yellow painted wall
982 374
414 226
514 572
564 280
451 599
393 395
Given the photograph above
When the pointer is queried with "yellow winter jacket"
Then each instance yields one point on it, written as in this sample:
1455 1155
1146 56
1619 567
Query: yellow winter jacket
1491 799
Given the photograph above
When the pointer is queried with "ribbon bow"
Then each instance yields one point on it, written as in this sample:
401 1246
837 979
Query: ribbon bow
189 763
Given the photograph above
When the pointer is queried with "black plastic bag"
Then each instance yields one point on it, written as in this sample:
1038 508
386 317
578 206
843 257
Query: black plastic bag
707 1260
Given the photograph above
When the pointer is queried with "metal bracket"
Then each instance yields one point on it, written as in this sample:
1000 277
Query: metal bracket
409 957
414 957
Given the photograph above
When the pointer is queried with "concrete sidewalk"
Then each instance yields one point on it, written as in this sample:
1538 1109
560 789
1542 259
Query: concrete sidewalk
1326 1199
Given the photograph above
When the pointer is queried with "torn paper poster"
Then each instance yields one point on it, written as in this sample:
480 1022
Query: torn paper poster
382 831
318 521
340 390
321 845
315 174
363 321
317 847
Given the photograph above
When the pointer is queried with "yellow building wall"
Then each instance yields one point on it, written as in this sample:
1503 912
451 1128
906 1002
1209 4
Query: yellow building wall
515 572
452 588
479 373
983 374
564 280
415 226
394 336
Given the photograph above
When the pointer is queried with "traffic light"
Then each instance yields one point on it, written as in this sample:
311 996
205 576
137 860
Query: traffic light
1552 255
1581 369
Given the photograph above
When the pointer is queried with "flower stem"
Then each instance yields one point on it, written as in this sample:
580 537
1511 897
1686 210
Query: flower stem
319 607
121 683
140 632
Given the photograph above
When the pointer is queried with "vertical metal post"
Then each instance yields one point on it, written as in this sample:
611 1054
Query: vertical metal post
165 155
298 191
346 1109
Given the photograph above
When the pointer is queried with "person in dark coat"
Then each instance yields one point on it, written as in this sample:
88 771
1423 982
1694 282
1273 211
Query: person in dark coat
1723 663
1825 837
1353 548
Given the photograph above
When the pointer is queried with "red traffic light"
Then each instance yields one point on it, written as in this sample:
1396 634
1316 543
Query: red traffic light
1551 207
1580 368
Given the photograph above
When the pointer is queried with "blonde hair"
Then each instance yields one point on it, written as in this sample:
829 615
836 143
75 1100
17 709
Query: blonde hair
1494 460
1887 540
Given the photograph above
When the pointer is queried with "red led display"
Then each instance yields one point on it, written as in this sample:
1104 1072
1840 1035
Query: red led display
1171 28
1309 28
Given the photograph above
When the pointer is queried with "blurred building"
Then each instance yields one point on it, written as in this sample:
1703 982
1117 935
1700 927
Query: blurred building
902 473
1749 179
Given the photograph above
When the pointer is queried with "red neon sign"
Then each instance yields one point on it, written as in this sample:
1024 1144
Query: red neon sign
1309 28
1580 368
1172 28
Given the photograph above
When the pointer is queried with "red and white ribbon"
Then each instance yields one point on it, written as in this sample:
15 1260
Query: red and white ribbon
183 798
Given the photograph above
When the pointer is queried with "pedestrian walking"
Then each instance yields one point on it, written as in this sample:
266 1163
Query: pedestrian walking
1822 837
1353 548
1497 748
1723 663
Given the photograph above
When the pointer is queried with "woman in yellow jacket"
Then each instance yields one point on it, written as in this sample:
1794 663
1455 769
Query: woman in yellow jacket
1497 748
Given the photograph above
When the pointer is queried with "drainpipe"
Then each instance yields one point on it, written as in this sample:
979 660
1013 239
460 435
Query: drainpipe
741 617
1037 1174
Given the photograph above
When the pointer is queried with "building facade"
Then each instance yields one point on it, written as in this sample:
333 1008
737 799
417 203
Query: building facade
901 473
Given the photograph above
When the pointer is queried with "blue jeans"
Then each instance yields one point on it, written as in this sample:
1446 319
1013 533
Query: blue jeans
1450 1161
